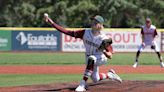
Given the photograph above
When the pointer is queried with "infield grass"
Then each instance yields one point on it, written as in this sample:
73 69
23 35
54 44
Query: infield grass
11 58
34 79
8 80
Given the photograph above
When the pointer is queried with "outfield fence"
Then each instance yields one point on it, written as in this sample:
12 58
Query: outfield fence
49 39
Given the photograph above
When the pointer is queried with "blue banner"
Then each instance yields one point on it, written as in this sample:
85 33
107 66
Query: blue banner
36 40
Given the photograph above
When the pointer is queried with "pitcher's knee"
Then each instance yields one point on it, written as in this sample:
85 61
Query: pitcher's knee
91 61
91 58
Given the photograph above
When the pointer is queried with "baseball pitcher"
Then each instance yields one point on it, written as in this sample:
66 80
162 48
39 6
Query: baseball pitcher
98 49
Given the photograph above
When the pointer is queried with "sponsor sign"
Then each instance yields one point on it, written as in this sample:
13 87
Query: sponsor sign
36 40
128 41
71 44
5 40
123 41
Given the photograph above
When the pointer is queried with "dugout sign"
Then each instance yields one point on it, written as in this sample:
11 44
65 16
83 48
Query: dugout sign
36 40
5 40
72 44
124 40
128 41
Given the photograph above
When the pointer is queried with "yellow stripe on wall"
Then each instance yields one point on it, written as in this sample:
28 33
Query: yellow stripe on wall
28 28
74 29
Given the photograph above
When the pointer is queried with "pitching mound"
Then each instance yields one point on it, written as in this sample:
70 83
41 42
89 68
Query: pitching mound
103 86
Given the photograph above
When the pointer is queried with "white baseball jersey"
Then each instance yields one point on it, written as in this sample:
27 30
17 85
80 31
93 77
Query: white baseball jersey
92 42
148 34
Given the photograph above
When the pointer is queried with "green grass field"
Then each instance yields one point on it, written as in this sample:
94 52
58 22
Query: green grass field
11 58
9 80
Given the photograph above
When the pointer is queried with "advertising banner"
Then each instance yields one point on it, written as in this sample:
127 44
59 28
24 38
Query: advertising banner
128 41
5 40
36 40
123 41
71 44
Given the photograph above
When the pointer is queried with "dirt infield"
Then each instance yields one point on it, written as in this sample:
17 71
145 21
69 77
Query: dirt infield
77 69
103 86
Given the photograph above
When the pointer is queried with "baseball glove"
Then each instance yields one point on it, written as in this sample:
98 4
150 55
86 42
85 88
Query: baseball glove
105 43
153 47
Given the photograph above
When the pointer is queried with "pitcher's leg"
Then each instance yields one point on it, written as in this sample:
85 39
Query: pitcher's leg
96 76
88 72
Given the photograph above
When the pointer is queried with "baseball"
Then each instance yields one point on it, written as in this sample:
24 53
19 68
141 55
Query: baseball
45 14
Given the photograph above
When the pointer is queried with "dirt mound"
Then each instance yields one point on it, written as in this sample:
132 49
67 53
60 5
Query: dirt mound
103 86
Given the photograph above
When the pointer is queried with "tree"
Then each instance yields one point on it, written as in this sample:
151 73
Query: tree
76 13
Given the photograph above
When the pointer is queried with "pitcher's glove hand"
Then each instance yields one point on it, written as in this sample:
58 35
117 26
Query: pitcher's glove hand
105 43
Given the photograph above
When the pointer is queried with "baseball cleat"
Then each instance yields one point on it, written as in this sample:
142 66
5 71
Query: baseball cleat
81 86
162 64
112 74
135 65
